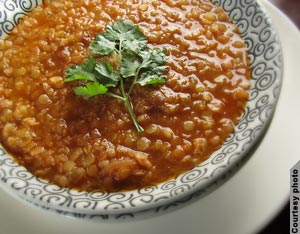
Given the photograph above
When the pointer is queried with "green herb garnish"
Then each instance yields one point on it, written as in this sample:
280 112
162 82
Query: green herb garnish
133 61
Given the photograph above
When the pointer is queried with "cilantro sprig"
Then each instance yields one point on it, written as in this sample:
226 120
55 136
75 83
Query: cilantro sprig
134 62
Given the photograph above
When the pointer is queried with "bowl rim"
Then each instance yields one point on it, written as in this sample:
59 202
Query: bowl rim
266 63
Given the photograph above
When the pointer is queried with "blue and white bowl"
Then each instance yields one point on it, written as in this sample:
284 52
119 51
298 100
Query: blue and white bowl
266 62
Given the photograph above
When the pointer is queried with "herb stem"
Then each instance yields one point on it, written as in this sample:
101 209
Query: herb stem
116 96
128 105
134 81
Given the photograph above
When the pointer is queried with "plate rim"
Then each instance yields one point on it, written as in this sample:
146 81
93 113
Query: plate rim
194 190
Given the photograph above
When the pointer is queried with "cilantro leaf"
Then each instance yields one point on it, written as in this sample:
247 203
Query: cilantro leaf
102 46
81 75
150 78
90 89
153 67
81 72
129 65
135 46
123 30
89 65
153 58
106 75
133 60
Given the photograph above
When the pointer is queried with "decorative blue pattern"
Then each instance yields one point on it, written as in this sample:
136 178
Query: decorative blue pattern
11 11
266 59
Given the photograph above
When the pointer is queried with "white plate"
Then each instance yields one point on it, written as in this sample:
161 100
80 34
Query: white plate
242 205
266 63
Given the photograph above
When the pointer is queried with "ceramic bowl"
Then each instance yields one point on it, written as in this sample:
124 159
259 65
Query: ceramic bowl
266 62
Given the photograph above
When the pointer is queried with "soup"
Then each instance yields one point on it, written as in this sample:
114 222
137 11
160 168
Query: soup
92 144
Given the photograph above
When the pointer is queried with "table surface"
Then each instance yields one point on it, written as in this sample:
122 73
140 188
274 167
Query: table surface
291 8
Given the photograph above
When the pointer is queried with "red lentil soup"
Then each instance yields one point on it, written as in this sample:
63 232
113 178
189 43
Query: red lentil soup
91 144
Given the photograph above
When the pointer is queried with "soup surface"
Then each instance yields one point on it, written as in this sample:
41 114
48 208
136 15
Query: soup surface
91 144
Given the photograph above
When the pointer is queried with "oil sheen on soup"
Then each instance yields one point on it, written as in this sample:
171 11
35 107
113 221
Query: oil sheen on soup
91 144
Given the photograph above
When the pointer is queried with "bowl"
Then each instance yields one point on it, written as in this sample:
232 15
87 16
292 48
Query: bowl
266 63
